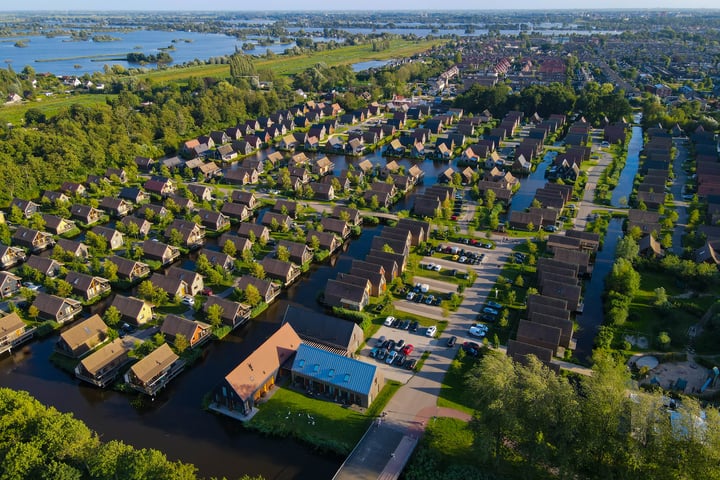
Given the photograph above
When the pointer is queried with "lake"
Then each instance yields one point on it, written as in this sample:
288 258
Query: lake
60 56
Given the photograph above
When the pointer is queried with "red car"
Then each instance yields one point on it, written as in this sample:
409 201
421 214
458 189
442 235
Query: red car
453 218
207 291
407 349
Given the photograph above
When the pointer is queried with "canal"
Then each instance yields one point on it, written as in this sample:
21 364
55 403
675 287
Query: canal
592 316
528 185
175 422
627 177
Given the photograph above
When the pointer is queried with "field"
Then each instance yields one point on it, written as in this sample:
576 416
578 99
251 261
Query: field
49 105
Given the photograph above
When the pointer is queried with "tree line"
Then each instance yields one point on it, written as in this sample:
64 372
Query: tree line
40 442
531 423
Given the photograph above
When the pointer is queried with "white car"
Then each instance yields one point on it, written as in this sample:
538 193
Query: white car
430 266
430 332
437 268
410 296
388 321
424 288
188 300
31 286
477 332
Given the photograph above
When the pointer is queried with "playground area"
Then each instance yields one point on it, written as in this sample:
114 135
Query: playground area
683 377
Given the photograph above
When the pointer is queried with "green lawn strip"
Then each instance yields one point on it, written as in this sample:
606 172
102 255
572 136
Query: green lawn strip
177 308
421 362
452 391
50 106
448 443
327 426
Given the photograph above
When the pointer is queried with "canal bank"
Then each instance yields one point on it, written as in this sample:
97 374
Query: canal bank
592 317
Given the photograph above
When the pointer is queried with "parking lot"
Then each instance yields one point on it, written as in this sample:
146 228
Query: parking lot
420 342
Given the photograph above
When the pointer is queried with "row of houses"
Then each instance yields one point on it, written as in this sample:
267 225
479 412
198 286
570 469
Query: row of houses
551 198
547 329
386 260
708 190
655 168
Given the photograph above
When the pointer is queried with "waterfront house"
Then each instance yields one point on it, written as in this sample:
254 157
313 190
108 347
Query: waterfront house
74 247
241 389
346 295
245 198
85 214
233 314
52 307
87 286
27 207
57 225
176 288
45 265
241 243
329 333
153 372
82 338
102 366
299 252
236 211
327 240
34 240
161 252
285 272
268 290
134 194
216 258
11 256
114 238
133 310
337 226
116 207
286 207
213 220
194 280
259 231
130 270
337 377
192 235
280 220
196 333
13 331
9 284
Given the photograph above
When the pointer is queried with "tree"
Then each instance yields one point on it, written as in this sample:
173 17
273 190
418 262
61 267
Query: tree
181 343
146 290
229 248
112 316
314 242
283 253
63 288
257 270
247 256
663 341
214 315
175 238
252 296
110 270
33 312
519 281
490 198
531 246
661 298
627 248
374 203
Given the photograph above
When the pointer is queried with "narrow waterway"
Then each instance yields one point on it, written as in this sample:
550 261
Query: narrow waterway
528 185
592 316
175 422
627 177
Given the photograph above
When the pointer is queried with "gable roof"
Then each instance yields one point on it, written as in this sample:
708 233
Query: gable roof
10 323
154 363
84 331
251 373
95 361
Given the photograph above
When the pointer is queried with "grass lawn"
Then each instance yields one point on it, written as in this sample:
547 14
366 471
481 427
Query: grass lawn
50 106
325 425
448 443
452 391
176 308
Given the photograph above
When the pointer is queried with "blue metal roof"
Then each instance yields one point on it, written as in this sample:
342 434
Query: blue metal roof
331 368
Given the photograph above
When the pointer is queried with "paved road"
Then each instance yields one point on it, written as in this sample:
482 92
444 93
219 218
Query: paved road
586 206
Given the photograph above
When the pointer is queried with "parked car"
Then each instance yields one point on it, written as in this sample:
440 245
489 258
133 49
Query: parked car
410 296
410 363
381 354
395 322
476 331
451 341
400 344
490 311
389 321
400 360
188 300
437 301
486 318
471 348
405 325
437 268
380 341
408 349
31 286
494 305
419 298
207 291
429 300
391 345
414 326
430 332
373 352
391 357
